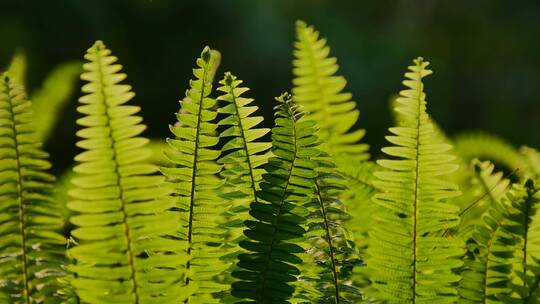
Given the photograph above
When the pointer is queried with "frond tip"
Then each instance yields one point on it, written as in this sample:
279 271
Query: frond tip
410 261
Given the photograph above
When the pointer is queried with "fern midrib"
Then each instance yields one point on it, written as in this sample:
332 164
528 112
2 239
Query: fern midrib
329 240
244 144
127 233
194 174
20 198
416 180
276 220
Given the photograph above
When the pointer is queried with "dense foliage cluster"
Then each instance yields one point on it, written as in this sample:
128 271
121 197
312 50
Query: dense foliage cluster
227 216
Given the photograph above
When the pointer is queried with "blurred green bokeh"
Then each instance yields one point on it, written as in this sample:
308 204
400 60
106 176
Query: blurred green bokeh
485 54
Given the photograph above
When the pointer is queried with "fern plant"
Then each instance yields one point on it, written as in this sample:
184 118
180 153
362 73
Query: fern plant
275 232
126 249
31 249
409 259
193 174
232 218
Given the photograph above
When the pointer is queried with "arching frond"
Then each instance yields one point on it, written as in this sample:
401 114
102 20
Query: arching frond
31 248
53 95
409 261
332 252
320 91
486 146
193 172
125 251
267 274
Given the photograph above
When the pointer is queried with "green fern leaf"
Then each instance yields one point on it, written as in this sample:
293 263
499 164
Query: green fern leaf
490 248
484 146
484 189
193 172
409 262
245 153
31 249
331 247
524 224
319 90
17 67
532 158
53 95
267 274
125 250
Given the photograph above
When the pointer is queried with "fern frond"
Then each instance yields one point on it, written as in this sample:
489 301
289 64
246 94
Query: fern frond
486 269
267 274
245 153
157 146
485 188
409 261
125 250
31 249
524 224
320 91
332 252
53 95
193 172
532 158
484 146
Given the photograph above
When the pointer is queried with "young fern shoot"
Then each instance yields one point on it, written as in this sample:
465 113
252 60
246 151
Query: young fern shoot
268 272
192 172
31 248
125 251
410 262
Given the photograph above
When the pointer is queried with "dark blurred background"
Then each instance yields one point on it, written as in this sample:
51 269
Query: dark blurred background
485 54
